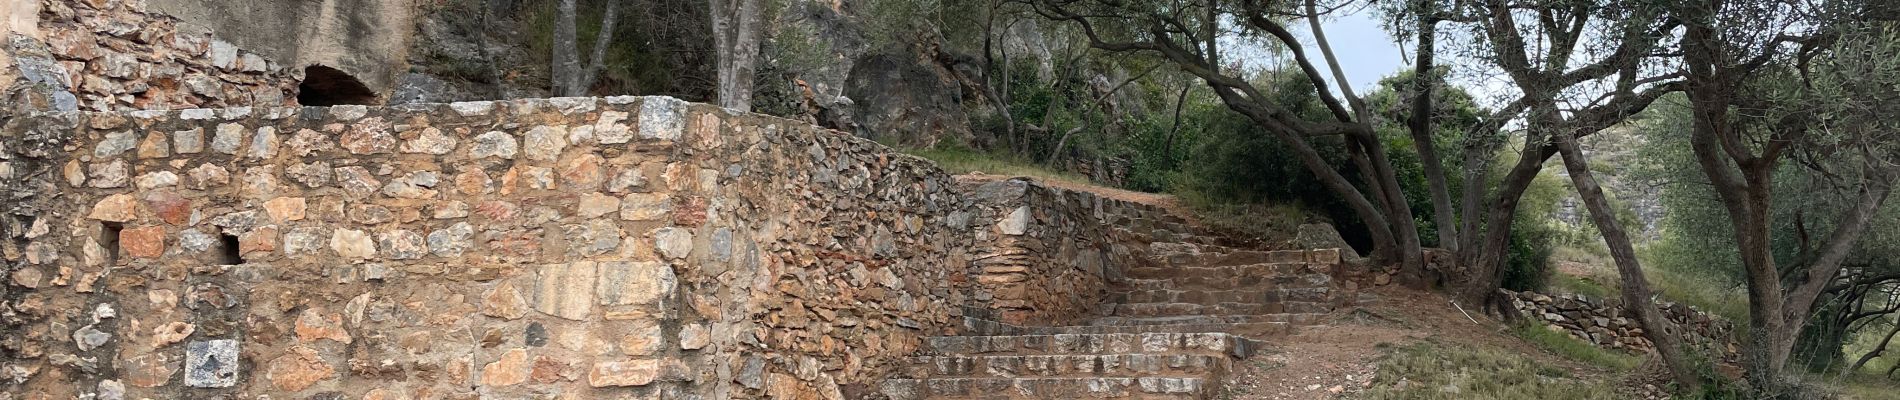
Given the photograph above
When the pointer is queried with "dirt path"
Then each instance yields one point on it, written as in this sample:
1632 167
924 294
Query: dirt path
1340 358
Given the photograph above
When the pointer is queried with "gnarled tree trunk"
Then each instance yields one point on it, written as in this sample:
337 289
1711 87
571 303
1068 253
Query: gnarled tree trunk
1420 124
1636 294
736 38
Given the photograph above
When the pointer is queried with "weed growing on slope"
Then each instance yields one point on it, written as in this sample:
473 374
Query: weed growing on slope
1429 370
1562 345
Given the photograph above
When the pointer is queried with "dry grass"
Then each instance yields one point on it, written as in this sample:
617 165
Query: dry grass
1588 273
1562 345
1266 223
1434 370
1863 387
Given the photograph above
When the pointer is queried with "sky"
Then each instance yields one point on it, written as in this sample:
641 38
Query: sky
1367 54
1365 51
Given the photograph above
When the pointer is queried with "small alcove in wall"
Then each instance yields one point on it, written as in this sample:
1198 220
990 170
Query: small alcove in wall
325 86
229 252
109 240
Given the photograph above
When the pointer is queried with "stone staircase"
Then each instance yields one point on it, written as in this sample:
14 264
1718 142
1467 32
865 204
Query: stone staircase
1171 329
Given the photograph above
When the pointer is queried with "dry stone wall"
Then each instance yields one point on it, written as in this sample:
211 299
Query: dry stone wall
1604 324
1044 255
102 55
559 248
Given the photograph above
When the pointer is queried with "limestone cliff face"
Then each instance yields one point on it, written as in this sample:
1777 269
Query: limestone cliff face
369 39
914 90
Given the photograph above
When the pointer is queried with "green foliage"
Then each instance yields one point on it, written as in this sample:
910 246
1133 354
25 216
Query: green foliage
795 42
1819 348
1533 236
1229 160
1236 161
894 22
1433 370
1527 262
1454 112
1583 285
1157 147
1563 345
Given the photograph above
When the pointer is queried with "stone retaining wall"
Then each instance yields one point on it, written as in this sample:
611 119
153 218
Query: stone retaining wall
559 248
1042 255
1602 323
102 55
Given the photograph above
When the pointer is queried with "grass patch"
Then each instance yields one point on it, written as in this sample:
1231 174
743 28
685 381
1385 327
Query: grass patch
1429 370
1593 255
1271 223
1562 345
1583 285
960 160
1863 386
1706 294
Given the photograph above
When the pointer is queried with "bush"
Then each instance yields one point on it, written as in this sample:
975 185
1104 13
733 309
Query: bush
1527 265
1533 238
1240 166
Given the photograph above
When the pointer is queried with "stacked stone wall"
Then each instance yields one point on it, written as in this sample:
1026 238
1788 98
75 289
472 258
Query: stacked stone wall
1604 324
102 55
558 248
1042 256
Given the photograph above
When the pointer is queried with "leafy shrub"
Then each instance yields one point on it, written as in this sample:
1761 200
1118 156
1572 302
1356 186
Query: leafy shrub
1533 237
1527 264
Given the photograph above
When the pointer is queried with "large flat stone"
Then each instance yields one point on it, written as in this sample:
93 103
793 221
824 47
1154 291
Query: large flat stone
561 290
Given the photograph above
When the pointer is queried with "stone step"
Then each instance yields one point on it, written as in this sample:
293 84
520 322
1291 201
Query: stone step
1231 271
1269 295
1163 251
1216 279
1193 282
1273 324
1213 343
1197 320
1270 328
1077 365
1048 388
1189 255
986 327
1178 309
1202 243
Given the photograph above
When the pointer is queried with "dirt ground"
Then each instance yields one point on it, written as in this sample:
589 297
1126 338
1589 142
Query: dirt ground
1339 359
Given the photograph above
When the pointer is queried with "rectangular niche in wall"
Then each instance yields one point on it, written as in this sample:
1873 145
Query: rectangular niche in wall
228 251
